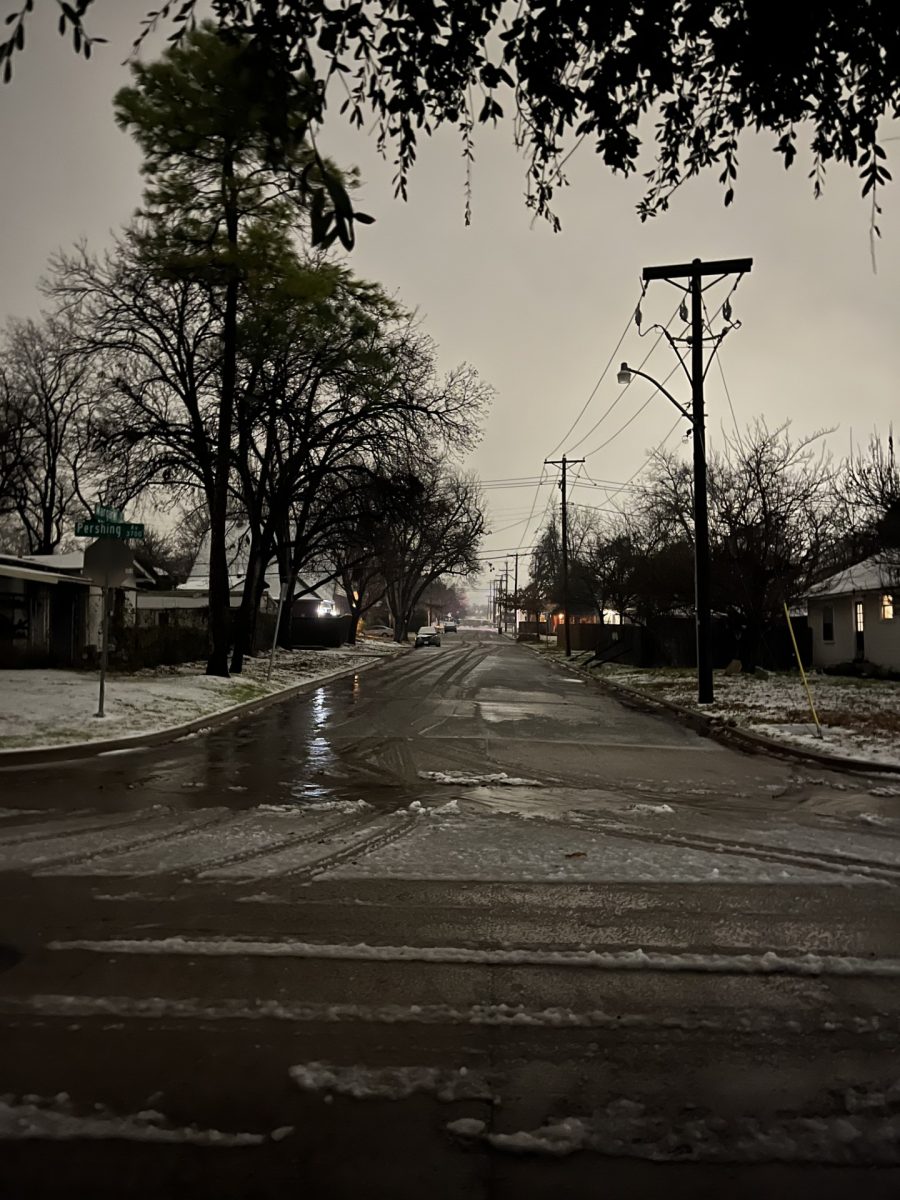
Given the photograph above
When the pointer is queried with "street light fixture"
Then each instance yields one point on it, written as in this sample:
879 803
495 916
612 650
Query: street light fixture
702 602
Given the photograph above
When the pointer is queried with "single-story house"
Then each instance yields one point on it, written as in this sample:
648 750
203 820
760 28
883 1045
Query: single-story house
326 600
855 614
44 614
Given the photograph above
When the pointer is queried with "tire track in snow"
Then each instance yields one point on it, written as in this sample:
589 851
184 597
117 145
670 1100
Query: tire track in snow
384 835
842 864
71 828
201 820
295 839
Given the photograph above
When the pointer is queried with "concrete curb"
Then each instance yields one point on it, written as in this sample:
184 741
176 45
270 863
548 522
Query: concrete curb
48 755
732 735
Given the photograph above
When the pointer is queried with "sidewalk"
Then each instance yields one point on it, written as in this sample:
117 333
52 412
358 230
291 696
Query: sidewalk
52 708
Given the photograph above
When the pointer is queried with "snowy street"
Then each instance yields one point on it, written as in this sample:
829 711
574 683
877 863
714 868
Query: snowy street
460 926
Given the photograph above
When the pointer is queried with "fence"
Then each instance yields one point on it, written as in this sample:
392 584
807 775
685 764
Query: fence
671 642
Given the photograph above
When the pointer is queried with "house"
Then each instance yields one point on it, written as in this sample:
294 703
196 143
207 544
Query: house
44 614
854 614
140 578
325 600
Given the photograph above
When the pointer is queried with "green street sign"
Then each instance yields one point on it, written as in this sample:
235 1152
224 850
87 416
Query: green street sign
123 530
114 516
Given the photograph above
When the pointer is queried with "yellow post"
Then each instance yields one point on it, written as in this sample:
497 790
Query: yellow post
812 707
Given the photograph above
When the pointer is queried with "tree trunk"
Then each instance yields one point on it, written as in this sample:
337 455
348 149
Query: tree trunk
354 626
244 625
219 597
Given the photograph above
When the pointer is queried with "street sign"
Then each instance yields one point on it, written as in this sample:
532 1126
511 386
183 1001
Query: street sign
108 562
103 512
122 530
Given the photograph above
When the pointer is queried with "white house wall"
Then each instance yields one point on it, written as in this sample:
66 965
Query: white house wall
882 638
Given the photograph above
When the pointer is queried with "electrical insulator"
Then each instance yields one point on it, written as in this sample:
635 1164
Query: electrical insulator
683 312
637 316
726 310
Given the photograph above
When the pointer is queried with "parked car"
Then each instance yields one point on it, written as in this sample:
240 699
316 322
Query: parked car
449 627
428 636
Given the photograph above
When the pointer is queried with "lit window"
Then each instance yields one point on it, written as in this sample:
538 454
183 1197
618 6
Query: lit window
887 607
827 623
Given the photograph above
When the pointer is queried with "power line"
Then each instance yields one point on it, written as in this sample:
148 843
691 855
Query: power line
596 386
621 394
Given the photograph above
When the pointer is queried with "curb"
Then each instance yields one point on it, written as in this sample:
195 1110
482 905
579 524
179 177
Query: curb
48 755
733 736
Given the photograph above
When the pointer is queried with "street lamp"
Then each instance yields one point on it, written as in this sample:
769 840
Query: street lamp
701 532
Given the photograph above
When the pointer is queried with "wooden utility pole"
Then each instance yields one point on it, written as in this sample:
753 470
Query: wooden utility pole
563 463
694 272
516 597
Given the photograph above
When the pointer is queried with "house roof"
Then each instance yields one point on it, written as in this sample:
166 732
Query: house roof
12 567
73 562
237 549
871 575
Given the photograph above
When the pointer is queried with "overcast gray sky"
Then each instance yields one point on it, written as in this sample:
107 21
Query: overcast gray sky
537 313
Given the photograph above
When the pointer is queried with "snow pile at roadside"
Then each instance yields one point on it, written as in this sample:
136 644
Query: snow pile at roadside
56 1120
860 717
55 707
390 1083
462 779
300 809
867 1132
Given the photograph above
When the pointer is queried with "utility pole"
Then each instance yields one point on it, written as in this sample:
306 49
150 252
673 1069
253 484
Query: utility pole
563 463
506 599
694 272
516 594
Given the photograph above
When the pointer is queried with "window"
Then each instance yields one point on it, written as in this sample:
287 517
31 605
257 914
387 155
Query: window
827 623
859 616
887 607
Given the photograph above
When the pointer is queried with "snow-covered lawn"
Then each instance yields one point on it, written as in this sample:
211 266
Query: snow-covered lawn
53 708
860 717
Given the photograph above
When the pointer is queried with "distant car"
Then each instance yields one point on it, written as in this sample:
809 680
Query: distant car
449 627
380 631
428 636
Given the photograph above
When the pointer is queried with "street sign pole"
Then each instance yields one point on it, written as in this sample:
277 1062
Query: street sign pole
281 590
104 653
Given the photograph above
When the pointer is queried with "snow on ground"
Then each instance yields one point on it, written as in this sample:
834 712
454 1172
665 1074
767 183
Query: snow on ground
864 1130
498 847
557 1017
768 963
52 708
56 1120
390 1083
462 779
860 717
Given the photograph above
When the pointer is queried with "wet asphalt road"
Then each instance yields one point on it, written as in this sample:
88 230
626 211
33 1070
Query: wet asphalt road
171 842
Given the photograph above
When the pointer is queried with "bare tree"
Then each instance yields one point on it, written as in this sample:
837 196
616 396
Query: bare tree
439 537
773 518
46 394
868 487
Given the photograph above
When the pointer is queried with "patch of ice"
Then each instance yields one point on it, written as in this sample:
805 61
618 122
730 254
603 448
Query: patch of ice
872 819
390 1083
649 810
